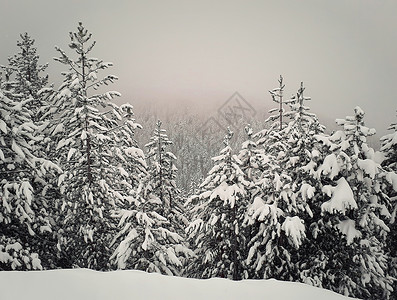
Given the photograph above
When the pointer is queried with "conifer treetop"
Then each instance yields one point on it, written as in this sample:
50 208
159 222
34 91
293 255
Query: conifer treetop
79 38
277 96
23 71
84 70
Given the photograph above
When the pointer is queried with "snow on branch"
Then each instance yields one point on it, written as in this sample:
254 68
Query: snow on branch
342 198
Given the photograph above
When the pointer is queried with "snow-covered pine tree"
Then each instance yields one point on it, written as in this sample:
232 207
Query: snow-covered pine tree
354 209
280 195
277 96
22 213
276 228
24 82
163 173
303 148
389 151
83 134
23 76
150 238
389 148
128 158
251 159
249 155
147 240
272 140
305 153
218 214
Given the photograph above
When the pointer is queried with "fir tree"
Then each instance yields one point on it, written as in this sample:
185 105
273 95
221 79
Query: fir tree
83 135
277 228
23 213
277 96
24 83
282 191
272 139
23 76
150 238
128 158
250 155
162 172
389 150
304 154
216 230
354 211
147 240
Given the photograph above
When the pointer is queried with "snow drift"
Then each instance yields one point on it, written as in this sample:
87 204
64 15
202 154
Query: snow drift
87 284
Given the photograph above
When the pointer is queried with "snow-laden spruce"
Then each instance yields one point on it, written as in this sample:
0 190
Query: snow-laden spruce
84 140
301 156
278 120
284 191
24 82
148 241
23 214
250 156
23 79
216 232
389 152
163 172
355 207
151 236
127 158
389 148
275 226
271 139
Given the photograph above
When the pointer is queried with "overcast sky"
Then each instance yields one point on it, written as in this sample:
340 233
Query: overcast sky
203 51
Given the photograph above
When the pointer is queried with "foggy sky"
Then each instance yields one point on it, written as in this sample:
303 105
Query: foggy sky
200 52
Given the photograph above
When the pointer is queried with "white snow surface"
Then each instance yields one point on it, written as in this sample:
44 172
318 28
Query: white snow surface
79 284
294 229
348 228
342 197
369 166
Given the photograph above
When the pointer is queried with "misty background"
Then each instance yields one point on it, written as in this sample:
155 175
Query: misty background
177 59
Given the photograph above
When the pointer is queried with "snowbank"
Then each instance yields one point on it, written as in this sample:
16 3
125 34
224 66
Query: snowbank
86 284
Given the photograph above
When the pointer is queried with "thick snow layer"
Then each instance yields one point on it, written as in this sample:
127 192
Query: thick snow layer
369 166
330 166
86 284
348 228
294 229
342 197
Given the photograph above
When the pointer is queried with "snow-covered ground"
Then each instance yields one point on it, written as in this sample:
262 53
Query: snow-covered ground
86 284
